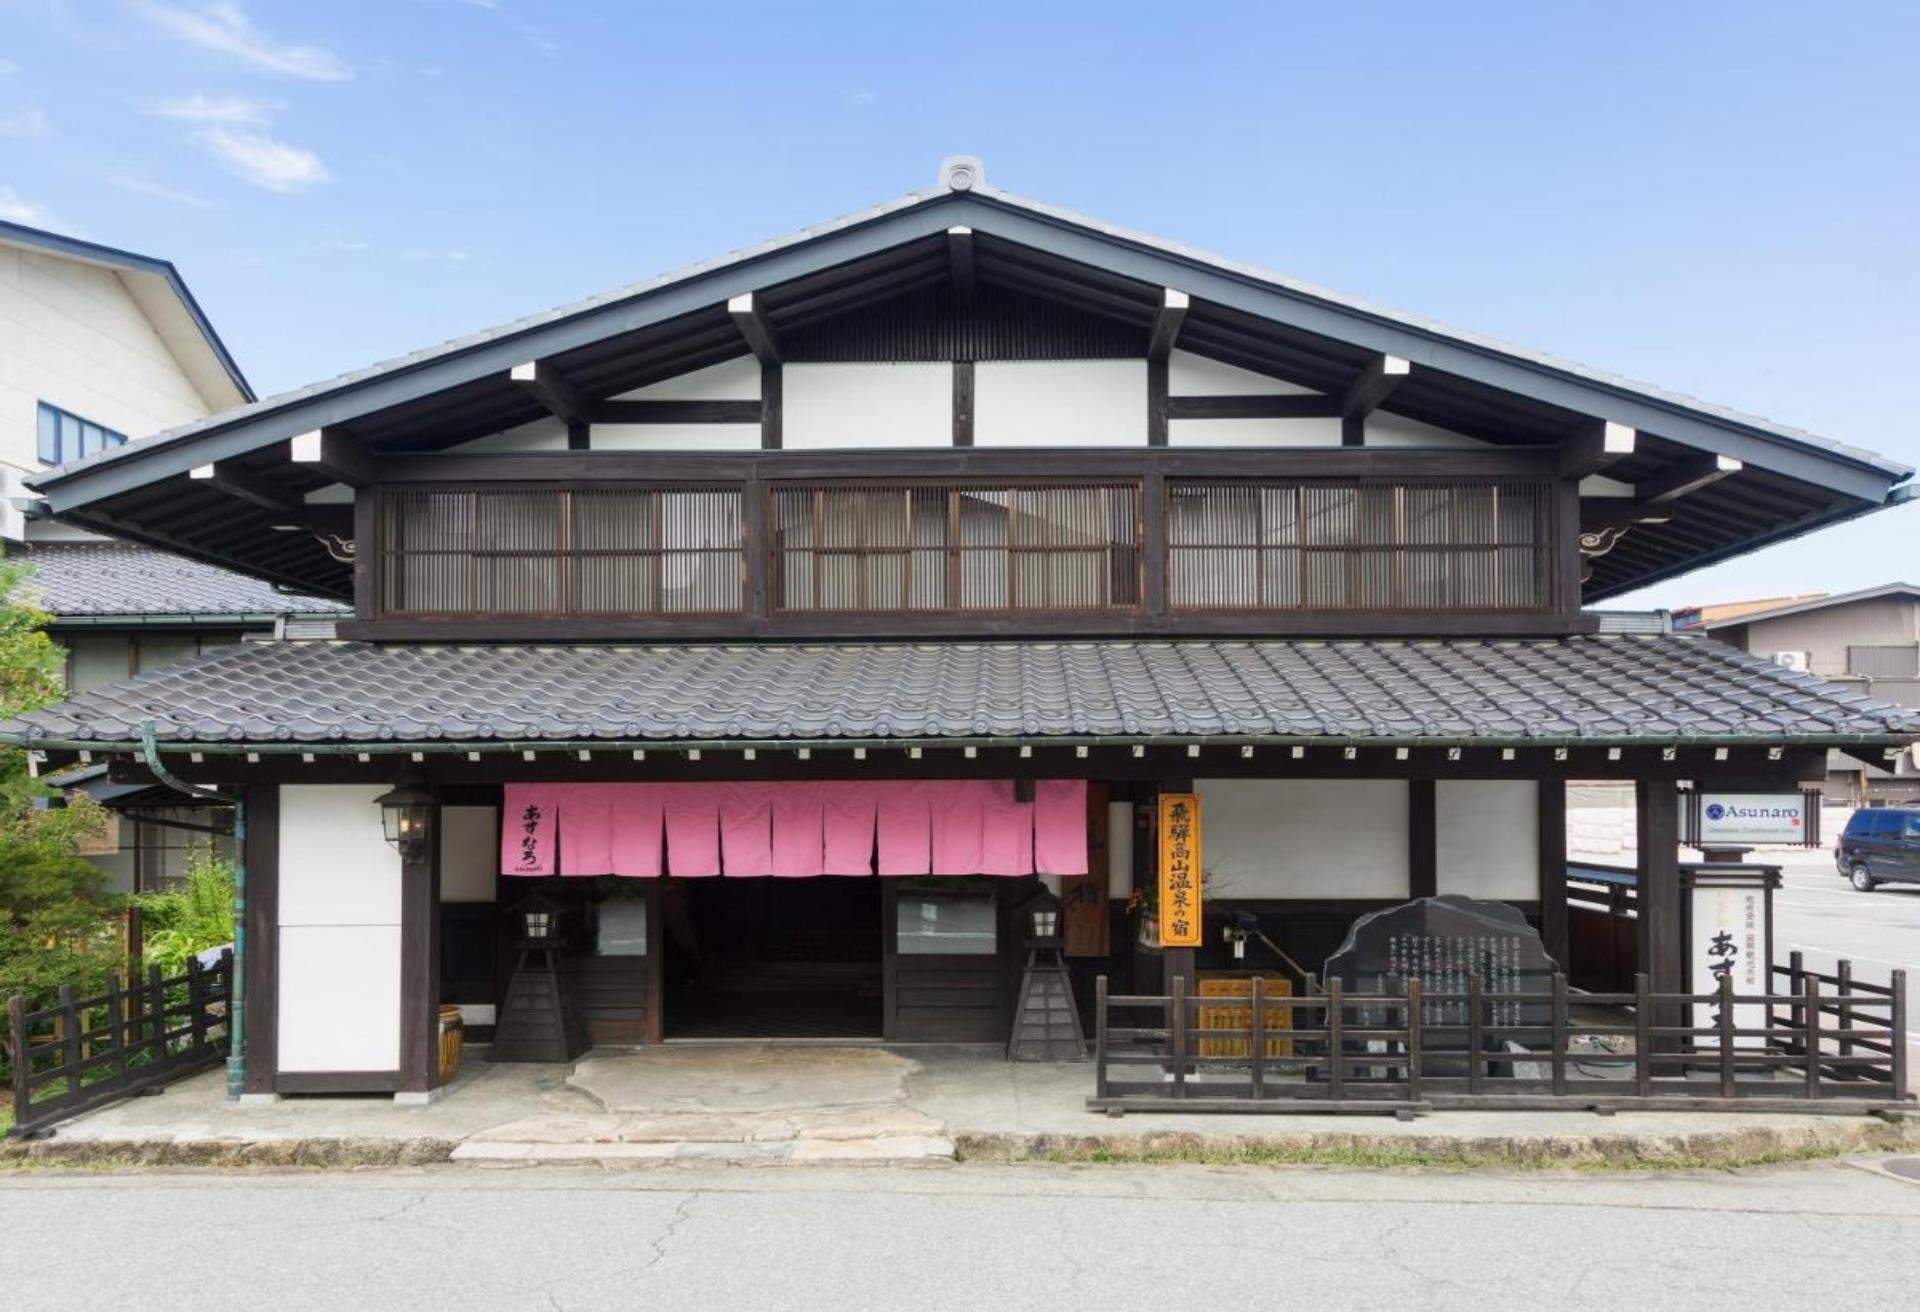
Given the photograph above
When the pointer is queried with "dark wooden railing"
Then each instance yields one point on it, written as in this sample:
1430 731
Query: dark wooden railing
1101 542
1831 1044
84 1052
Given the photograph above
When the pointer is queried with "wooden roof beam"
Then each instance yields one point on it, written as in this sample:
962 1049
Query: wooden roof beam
1374 385
334 455
744 309
1599 444
960 264
1166 324
1690 475
541 381
247 486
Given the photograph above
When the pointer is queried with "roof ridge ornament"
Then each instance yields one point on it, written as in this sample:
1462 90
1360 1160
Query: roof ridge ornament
962 173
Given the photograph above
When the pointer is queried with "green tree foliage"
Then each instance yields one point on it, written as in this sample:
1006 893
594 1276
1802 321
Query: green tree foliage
56 922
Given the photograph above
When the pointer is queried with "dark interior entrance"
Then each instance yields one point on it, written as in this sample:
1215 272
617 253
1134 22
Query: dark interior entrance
772 958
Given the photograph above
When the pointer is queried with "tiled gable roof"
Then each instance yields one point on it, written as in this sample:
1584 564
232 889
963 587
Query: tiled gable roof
121 579
1587 690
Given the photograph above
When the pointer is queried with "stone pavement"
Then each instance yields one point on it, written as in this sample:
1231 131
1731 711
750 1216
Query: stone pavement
778 1104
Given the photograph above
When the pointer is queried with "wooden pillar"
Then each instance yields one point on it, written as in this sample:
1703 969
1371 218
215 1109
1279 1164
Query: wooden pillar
1423 838
1657 816
1553 869
420 966
260 1044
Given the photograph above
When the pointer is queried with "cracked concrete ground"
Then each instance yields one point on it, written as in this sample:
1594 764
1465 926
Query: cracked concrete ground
1042 1237
758 1104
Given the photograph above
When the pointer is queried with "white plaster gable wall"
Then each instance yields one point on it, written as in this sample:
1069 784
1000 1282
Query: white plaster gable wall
1198 375
71 334
548 434
1385 429
1060 403
1253 432
1304 838
730 380
339 932
1487 835
676 437
823 406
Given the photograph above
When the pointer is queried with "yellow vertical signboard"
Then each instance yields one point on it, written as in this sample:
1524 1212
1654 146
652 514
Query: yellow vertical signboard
1179 907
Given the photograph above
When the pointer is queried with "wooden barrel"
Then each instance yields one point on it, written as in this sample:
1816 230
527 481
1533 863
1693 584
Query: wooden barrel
450 1038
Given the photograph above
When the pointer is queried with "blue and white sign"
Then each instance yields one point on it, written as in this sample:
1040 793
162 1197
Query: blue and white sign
1753 819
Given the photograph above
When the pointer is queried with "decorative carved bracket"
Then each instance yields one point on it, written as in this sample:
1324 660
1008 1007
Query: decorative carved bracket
341 549
1597 544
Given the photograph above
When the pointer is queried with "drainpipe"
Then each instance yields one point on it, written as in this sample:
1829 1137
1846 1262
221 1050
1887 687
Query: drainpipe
236 984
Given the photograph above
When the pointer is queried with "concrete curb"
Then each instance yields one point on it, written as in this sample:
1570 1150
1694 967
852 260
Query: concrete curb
1746 1146
313 1153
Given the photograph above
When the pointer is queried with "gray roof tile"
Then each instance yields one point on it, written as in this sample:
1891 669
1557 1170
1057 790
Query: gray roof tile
1584 689
72 579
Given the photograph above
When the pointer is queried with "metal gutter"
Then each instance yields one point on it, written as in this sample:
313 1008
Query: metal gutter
546 746
162 619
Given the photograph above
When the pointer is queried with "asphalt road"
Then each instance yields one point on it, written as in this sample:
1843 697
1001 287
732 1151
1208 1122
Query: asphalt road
1161 1238
1879 932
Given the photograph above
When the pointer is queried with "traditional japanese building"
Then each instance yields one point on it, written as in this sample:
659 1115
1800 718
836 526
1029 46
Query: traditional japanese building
788 620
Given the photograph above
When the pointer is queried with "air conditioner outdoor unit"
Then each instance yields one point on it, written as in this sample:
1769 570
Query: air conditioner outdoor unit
1793 660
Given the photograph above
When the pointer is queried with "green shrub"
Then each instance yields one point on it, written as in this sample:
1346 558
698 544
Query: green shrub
188 920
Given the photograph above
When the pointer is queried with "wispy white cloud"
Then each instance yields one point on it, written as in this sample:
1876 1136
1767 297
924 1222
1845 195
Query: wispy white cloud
223 27
8 66
16 208
263 160
438 256
28 125
144 186
202 108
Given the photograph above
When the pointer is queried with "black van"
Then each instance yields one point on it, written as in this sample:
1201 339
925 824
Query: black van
1881 845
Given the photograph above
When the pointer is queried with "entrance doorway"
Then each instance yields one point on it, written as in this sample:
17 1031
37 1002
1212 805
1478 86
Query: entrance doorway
773 958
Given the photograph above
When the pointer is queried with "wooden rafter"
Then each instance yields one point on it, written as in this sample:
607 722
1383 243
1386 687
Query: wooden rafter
1599 444
1374 385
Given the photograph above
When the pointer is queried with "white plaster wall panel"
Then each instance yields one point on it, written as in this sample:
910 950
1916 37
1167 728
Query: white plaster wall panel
1385 429
1254 432
824 406
1060 403
548 434
730 380
339 998
1198 375
1596 485
1304 838
676 437
469 853
1488 838
336 866
72 335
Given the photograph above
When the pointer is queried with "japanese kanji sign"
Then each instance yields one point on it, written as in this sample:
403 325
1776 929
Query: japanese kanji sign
1179 903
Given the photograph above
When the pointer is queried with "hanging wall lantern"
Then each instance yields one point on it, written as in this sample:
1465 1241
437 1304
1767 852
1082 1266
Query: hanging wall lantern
406 816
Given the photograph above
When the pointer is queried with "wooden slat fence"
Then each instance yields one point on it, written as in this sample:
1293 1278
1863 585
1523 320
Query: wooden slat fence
86 1051
1385 1051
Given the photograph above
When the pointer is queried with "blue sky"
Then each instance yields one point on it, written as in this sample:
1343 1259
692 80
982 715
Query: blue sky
1720 198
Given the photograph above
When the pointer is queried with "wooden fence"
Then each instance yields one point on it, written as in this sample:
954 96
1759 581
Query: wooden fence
83 1052
1830 1044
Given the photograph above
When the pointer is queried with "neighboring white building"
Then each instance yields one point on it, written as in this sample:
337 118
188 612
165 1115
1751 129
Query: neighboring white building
99 347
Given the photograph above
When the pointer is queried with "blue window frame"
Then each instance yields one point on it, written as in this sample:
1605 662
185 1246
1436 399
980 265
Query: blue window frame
65 436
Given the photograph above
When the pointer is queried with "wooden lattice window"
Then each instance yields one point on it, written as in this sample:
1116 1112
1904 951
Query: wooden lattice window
546 551
1325 545
976 547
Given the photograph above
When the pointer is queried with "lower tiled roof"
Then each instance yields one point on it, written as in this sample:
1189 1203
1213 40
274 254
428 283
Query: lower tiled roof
120 579
1582 689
